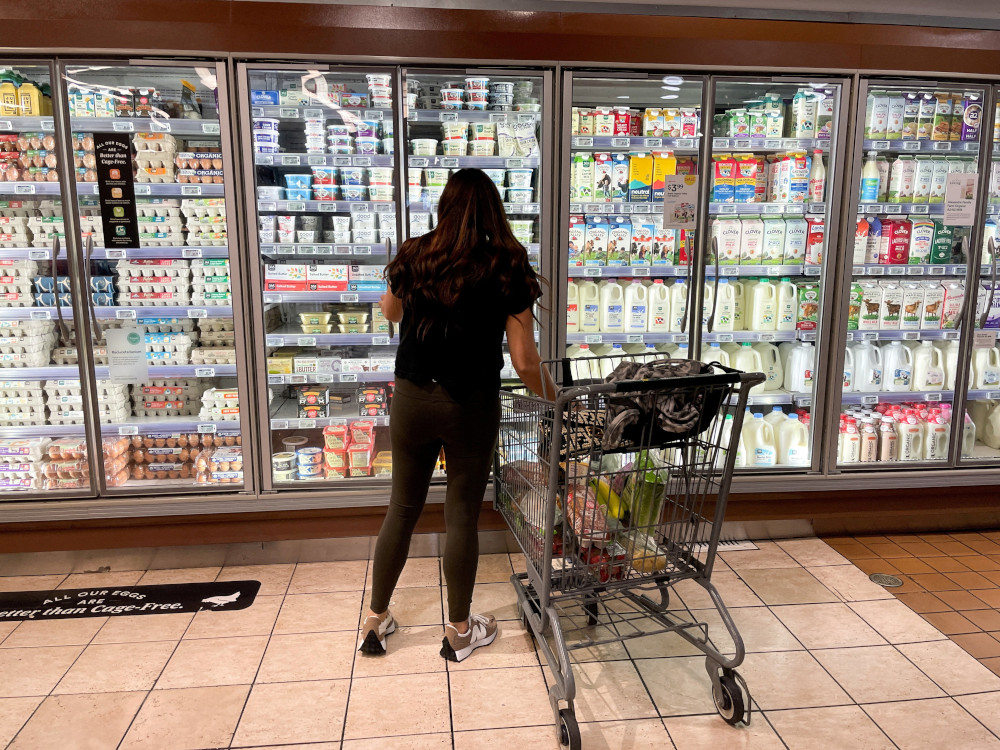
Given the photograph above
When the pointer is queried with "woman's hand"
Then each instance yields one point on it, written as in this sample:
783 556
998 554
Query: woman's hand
392 308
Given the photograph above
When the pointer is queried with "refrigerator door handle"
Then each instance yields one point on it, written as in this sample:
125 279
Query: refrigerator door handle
993 283
968 269
54 275
715 287
87 252
687 302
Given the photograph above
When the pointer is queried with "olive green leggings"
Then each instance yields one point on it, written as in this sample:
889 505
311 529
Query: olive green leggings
425 419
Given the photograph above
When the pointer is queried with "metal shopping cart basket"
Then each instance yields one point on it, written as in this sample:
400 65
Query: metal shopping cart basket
616 492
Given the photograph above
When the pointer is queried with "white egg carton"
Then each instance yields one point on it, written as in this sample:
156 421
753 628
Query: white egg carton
17 401
106 390
159 267
178 389
15 285
154 142
209 325
10 241
212 339
26 345
201 207
27 327
167 325
9 223
167 341
219 414
18 268
16 299
152 299
167 284
188 409
172 383
213 356
207 239
22 450
220 398
155 160
180 357
211 299
203 288
202 267
146 211
21 389
30 359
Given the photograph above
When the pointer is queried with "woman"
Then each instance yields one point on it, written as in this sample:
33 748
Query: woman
456 291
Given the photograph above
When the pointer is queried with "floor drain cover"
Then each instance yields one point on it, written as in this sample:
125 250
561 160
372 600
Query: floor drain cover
884 579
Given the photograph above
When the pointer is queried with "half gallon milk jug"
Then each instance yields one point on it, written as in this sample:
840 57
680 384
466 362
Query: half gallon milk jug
739 306
725 307
758 437
706 306
589 296
928 368
748 359
771 360
897 365
659 307
681 352
867 367
636 307
793 442
612 307
614 357
725 436
938 436
911 436
949 351
799 372
968 435
788 304
985 367
849 370
572 307
775 418
678 304
714 353
763 306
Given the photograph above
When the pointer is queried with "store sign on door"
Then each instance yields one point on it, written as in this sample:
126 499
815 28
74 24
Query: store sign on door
111 601
680 201
113 153
960 199
127 361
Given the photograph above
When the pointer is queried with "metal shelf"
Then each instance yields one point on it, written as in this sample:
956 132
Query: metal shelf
100 253
148 425
668 271
616 207
340 377
682 338
152 189
297 338
290 159
116 125
52 372
283 416
510 208
469 115
112 312
482 162
332 207
922 146
933 335
898 397
318 110
771 144
930 209
320 297
913 269
776 209
323 249
631 142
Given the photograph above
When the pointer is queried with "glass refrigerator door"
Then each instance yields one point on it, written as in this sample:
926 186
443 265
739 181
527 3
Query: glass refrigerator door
627 290
162 283
489 120
325 193
43 421
775 153
912 272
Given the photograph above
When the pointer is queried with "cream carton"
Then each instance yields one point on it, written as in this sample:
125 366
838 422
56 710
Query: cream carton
954 297
871 306
619 241
796 236
890 313
913 307
751 241
773 251
728 234
642 243
595 246
930 319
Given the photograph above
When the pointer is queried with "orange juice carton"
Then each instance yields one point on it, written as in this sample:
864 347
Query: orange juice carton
664 164
619 241
724 179
890 313
640 177
642 243
619 177
954 297
602 178
745 182
652 123
623 124
577 238
930 319
672 123
665 246
595 246
913 307
689 123
871 306
604 122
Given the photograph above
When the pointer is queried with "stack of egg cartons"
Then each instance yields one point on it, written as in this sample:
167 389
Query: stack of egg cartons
155 154
14 231
64 399
21 460
168 348
210 282
161 231
16 282
217 342
26 343
156 281
175 397
220 405
206 221
21 403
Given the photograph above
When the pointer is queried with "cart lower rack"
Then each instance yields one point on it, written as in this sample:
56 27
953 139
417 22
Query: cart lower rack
616 492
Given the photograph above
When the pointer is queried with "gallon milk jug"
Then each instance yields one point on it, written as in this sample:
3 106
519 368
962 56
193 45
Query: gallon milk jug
968 435
799 372
706 305
911 436
793 442
867 367
726 435
938 435
928 368
985 368
950 350
612 307
615 356
739 306
763 306
849 370
678 305
681 352
714 353
725 307
582 365
748 359
788 304
771 360
589 297
775 418
785 349
572 307
897 364
758 437
636 307
659 307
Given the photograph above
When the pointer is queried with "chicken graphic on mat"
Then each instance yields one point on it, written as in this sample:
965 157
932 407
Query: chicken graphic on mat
218 601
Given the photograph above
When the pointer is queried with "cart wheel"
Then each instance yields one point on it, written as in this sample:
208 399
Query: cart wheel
729 699
569 730
590 607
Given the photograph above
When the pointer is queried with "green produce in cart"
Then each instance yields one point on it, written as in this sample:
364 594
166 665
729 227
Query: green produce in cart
644 491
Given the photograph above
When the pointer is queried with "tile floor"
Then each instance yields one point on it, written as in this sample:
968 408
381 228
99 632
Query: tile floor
834 661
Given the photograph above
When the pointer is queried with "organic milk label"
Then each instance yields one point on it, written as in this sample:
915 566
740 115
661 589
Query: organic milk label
595 247
796 234
933 304
619 242
666 246
602 177
808 315
874 241
911 116
584 178
577 239
637 318
921 239
751 242
774 242
619 177
913 307
642 244
724 182
728 233
745 188
854 307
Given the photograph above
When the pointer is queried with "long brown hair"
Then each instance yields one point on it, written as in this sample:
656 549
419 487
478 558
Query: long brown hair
472 242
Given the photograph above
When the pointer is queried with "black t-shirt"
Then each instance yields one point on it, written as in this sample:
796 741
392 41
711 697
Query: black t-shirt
463 351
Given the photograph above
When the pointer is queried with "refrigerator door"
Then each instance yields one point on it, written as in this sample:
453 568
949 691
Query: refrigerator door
776 147
153 174
325 187
45 437
912 272
626 290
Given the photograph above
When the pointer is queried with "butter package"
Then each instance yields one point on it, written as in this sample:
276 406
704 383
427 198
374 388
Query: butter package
745 182
640 181
366 273
724 179
595 246
366 286
577 238
327 278
286 277
619 241
642 243
664 163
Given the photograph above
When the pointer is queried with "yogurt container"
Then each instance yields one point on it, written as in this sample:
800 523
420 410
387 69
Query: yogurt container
260 148
302 194
311 471
380 175
480 106
306 236
298 180
326 192
482 131
482 148
476 96
294 442
289 475
367 145
455 148
340 150
265 137
324 175
309 457
265 123
364 235
352 176
368 129
457 129
284 461
520 178
502 87
429 102
355 192
497 176
424 146
381 192
389 145
447 95
339 130
436 176
519 195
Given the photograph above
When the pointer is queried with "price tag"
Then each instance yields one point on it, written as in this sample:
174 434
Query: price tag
24 188
593 338
817 208
942 146
211 128
342 161
275 379
292 206
804 401
880 145
124 314
626 208
869 336
114 254
290 160
911 335
274 340
190 189
773 271
143 190
288 112
257 111
385 208
323 250
197 313
128 429
315 161
349 377
514 163
869 399
642 208
530 208
640 272
381 341
360 208
680 271
448 116
272 299
764 336
267 206
960 270
893 209
680 338
418 162
796 208
911 145
595 208
876 270
872 208
40 315
120 126
652 142
307 424
971 146
730 270
742 144
993 395
593 271
298 379
915 271
342 250
920 209
324 378
774 143
936 271
327 207
950 335
583 142
374 114
502 117
284 249
38 255
621 142
773 208
348 298
720 143
313 114
808 336
362 161
813 270
362 249
306 341
724 338
684 143
191 252
204 372
512 208
159 126
207 429
897 270
728 208
48 125
449 161
279 424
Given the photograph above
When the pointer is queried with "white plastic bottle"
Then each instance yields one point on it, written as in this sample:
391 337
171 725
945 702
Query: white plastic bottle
725 307
817 178
614 358
713 352
581 367
950 351
739 306
897 365
589 296
850 448
706 306
771 360
572 307
793 442
938 437
985 367
659 307
870 178
775 417
799 372
758 436
911 436
849 371
636 307
788 305
763 307
888 440
748 359
928 368
678 305
968 435
725 436
612 307
869 441
682 352
867 367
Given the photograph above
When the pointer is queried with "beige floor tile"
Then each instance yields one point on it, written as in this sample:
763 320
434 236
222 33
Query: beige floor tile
420 605
661 645
274 714
896 622
701 732
850 583
835 728
369 714
94 722
6 628
625 735
494 569
931 725
513 647
497 599
810 552
9 584
787 586
510 697
308 656
760 629
535 738
410 742
257 619
323 577
769 555
827 626
680 686
733 591
408 651
71 632
310 746
576 630
610 691
179 575
420 571
518 562
116 667
34 671
951 667
187 719
210 662
13 713
790 679
876 673
168 627
984 707
318 613
273 578
96 581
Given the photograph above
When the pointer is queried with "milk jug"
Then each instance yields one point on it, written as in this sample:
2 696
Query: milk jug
668 349
799 372
771 360
763 306
636 307
985 367
897 364
572 307
867 367
589 296
714 353
706 306
928 368
911 437
581 365
793 442
775 418
758 437
748 359
788 304
968 436
739 306
612 307
725 306
949 352
849 370
659 307
678 305
614 358
681 352
938 436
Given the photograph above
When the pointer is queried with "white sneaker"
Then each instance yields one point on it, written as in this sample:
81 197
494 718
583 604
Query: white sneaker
457 646
376 629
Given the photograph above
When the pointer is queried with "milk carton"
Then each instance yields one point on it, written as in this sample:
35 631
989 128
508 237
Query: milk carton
774 241
913 307
652 123
930 319
873 244
666 246
939 179
603 186
942 248
925 117
899 243
664 163
672 123
619 177
745 183
809 299
798 190
911 116
577 239
897 110
724 179
824 115
954 297
892 304
583 176
728 233
860 241
921 239
604 122
619 241
876 115
595 247
854 307
871 306
922 180
814 240
751 241
642 243
796 234
640 180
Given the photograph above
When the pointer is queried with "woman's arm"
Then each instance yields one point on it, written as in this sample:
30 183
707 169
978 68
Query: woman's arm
392 308
524 354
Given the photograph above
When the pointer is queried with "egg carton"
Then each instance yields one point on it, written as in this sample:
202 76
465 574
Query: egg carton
173 383
213 356
154 142
155 160
22 450
131 269
21 484
21 389
155 176
202 267
166 340
24 359
15 401
216 221
8 223
167 324
219 414
16 241
180 357
146 392
204 288
143 211
215 339
26 327
106 390
160 471
203 206
26 346
152 299
28 470
19 268
207 239
16 299
15 285
212 325
211 299
176 222
221 397
182 409
150 284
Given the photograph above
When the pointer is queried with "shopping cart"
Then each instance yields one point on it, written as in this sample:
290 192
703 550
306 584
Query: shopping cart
610 519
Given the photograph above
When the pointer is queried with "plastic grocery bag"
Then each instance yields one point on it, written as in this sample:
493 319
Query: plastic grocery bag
645 490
